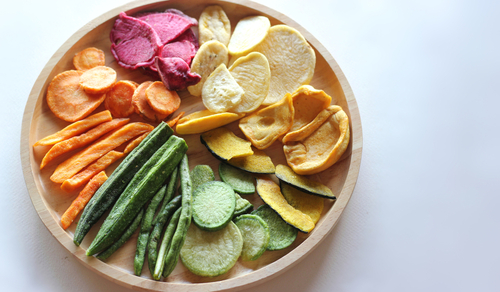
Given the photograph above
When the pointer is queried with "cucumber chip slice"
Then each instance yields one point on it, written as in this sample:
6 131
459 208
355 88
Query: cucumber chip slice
241 181
211 254
255 236
281 233
213 205
243 206
201 174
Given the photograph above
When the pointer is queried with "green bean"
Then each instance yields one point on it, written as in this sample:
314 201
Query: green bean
161 219
184 221
121 241
146 226
165 243
171 187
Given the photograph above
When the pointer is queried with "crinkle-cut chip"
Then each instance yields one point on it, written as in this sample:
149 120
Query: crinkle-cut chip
98 80
220 91
258 162
142 106
119 99
161 99
252 73
271 194
89 58
134 42
248 33
167 25
304 202
67 99
208 57
308 103
214 25
266 125
288 176
183 49
205 120
224 144
318 145
189 36
175 73
291 59
193 21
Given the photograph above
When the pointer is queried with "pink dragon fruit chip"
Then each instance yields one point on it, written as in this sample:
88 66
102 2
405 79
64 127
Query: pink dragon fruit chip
175 73
134 42
168 26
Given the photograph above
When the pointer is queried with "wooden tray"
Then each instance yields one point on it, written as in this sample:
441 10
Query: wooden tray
50 202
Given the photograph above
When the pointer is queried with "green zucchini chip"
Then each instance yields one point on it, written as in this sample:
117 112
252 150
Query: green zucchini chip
239 180
213 205
255 235
201 174
258 162
224 144
243 206
282 235
288 176
211 254
270 193
304 202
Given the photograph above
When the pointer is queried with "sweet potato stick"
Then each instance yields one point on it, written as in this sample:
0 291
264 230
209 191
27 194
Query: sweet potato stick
82 140
76 128
131 146
85 175
174 121
99 148
83 198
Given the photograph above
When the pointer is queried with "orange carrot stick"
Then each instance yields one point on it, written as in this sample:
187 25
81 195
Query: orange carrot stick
85 175
83 198
99 148
131 146
76 128
174 121
82 140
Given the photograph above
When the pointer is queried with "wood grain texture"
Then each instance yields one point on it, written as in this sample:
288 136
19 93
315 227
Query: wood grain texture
50 201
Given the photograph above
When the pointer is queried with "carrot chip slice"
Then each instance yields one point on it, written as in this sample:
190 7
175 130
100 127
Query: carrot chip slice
88 59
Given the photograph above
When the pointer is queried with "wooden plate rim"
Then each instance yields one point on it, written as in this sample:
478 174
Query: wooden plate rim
245 281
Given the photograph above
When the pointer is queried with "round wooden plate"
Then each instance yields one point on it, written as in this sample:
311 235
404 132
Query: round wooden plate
50 202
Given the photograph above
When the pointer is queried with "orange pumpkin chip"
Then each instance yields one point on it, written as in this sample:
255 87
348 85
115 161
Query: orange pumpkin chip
88 59
119 99
98 80
67 100
161 99
141 105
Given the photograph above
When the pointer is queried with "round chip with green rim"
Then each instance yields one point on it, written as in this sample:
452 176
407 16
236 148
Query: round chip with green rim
241 181
281 233
213 205
255 236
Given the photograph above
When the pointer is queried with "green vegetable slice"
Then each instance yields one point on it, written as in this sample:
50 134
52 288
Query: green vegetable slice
239 180
211 253
282 235
201 174
242 206
255 234
213 205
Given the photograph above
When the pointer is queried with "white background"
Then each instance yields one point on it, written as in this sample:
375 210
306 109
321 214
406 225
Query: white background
424 214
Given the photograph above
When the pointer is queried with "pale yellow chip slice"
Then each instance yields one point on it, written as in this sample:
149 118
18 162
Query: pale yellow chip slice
214 25
248 33
210 55
253 74
220 91
291 59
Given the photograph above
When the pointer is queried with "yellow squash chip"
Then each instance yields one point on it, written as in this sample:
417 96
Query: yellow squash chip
224 144
270 193
205 120
319 144
258 162
220 91
248 33
253 74
291 59
304 202
214 25
265 126
210 55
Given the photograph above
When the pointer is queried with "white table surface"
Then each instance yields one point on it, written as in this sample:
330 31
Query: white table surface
424 214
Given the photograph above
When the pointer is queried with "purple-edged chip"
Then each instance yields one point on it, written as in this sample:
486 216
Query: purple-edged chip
175 73
189 36
134 42
184 50
194 21
168 26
